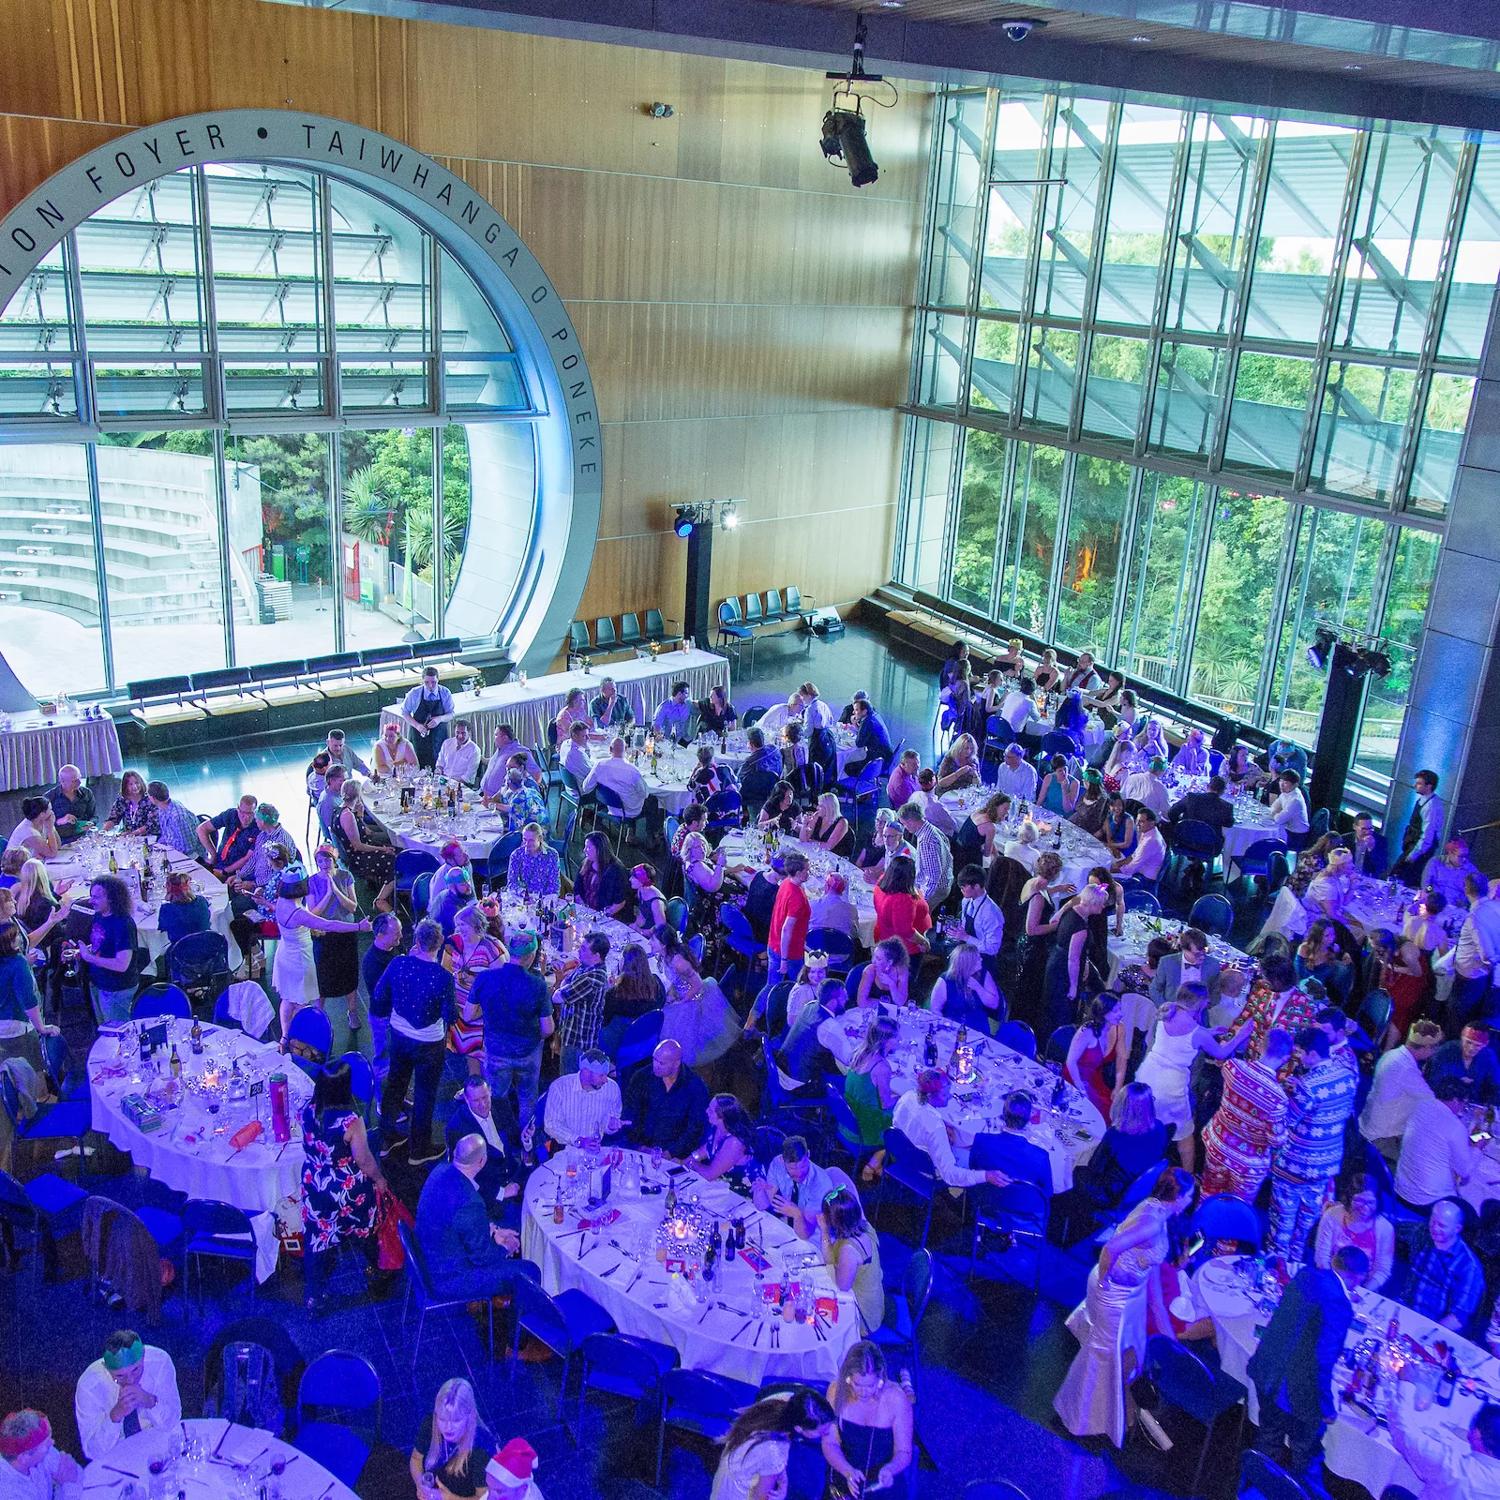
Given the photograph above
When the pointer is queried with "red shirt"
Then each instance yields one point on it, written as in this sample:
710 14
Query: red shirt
791 903
901 916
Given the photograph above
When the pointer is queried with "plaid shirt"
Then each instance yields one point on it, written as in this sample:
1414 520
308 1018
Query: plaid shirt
177 828
1444 1282
1319 1102
580 997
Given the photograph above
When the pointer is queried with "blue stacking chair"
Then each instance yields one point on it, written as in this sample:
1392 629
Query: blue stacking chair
1019 1210
726 811
409 864
906 1305
609 808
161 1000
854 792
1266 858
199 962
313 1030
733 632
419 1291
361 1081
560 1324
630 630
1018 1036
1262 1478
1138 898
67 1082
697 1402
911 1169
1058 1044
43 1211
66 1120
343 1391
1185 1382
219 1230
1223 1216
638 1043
779 1101
1193 839
845 1122
738 936
631 1369
837 945
1212 914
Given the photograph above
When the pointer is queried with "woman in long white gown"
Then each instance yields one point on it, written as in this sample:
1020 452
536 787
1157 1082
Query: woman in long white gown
1110 1324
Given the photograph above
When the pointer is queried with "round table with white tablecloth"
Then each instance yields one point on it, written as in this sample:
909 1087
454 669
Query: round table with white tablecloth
733 1331
1372 904
192 1150
35 746
1129 948
1064 1124
88 857
210 1457
1252 817
478 829
748 847
735 746
1235 1293
1483 1183
1079 851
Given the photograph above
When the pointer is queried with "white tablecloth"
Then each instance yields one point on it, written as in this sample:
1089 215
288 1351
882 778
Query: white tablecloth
1373 904
88 857
1356 1446
478 830
1068 1133
529 709
191 1152
646 1302
748 848
1130 948
1080 851
221 1450
1252 817
35 747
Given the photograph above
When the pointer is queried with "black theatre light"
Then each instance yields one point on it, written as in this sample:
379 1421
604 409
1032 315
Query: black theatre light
684 524
1318 652
844 141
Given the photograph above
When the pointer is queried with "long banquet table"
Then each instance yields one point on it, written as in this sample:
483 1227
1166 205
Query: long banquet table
1234 1292
732 1331
35 746
529 707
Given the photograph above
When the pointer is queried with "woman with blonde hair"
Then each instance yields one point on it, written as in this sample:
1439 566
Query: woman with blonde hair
1048 674
967 993
870 1447
466 955
330 893
851 1251
827 826
960 766
37 904
452 1448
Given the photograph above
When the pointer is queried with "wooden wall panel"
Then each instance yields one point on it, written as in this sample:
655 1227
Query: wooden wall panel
744 309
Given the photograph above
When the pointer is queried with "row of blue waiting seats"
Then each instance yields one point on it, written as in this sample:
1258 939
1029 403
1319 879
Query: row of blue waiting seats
607 638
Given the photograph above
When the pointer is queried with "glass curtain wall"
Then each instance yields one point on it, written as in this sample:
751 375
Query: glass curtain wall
235 409
1191 382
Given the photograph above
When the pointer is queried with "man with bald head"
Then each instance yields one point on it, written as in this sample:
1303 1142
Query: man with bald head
72 804
1446 1280
465 1256
666 1107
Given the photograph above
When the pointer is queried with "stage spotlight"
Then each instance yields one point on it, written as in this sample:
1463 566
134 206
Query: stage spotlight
1380 664
1318 652
687 518
844 141
729 518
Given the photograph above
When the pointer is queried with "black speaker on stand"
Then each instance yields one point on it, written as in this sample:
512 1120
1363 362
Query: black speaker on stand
696 609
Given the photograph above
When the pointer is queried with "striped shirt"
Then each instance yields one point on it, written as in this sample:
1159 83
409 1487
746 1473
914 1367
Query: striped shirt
575 1113
1318 1104
1251 1119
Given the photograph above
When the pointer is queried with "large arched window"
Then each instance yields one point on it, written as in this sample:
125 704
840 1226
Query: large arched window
252 412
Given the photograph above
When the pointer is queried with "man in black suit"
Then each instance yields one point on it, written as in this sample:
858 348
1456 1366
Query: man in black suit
1371 856
500 1177
1293 1367
1210 806
1010 1152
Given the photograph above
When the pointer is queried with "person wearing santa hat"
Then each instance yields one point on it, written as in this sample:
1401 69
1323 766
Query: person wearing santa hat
508 1475
31 1467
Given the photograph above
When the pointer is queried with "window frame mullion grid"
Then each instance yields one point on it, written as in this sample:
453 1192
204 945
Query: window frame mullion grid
1183 676
976 251
1002 520
1123 560
1291 530
1060 542
1026 312
1090 307
1156 333
1463 186
950 517
1332 300
101 575
1235 333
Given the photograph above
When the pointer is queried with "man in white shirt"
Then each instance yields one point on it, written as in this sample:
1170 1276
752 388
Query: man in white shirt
1446 1467
458 760
917 1117
980 920
1084 677
1437 1156
932 809
1289 806
1018 709
779 715
1424 829
1398 1087
1014 776
1475 956
1192 757
1147 787
576 753
816 714
619 776
1150 853
583 1106
130 1389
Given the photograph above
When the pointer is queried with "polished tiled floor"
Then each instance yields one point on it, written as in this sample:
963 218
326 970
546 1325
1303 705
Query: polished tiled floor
993 1355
